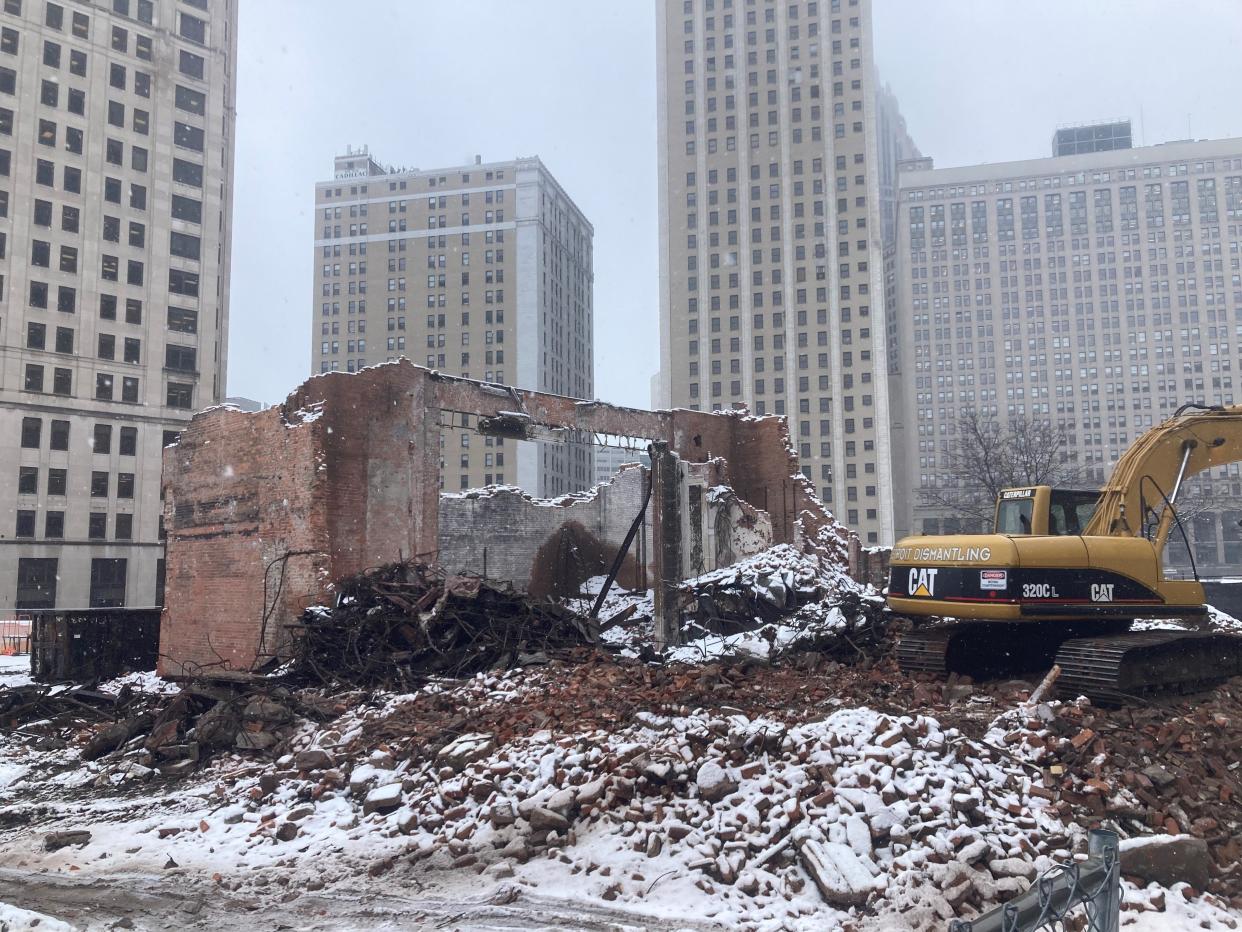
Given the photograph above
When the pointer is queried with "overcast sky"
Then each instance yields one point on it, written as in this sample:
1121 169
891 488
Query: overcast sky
431 84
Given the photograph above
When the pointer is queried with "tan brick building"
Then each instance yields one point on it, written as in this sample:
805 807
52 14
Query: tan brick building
1099 291
778 150
116 170
483 271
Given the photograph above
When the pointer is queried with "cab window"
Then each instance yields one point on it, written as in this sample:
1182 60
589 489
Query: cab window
1014 516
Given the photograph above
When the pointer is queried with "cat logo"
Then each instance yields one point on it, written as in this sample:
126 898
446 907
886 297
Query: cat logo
923 582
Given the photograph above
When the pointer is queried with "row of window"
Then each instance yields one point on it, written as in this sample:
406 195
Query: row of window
100 440
37 579
54 525
57 482
178 395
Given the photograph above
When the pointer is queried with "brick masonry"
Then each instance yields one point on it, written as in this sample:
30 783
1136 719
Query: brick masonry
263 510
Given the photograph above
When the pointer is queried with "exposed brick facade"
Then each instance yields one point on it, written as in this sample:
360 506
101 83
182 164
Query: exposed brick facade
265 509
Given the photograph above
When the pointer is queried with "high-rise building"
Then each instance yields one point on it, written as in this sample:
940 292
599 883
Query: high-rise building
483 271
116 171
778 149
1092 137
1095 292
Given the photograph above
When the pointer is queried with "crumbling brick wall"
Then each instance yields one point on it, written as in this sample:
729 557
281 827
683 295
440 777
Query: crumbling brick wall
547 547
265 509
241 492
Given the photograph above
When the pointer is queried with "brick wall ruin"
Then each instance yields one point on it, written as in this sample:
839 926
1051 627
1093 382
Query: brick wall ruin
263 510
547 547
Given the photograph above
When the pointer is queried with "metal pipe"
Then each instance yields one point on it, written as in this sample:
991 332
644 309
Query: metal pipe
1166 519
1187 446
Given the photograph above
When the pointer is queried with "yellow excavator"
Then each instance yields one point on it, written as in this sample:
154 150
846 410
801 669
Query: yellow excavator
1066 572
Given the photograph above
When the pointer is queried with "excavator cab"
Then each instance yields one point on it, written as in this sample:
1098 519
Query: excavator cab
1042 510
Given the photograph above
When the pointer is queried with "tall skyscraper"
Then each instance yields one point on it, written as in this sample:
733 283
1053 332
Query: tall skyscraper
1097 292
116 170
483 271
777 164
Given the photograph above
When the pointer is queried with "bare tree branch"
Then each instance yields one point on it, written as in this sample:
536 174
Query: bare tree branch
984 457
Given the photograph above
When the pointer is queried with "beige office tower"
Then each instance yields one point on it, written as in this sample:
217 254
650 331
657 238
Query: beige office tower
116 170
1096 291
778 150
482 271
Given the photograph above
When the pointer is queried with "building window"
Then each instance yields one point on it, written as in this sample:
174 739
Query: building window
129 441
25 523
36 583
34 378
54 525
124 529
180 395
103 438
59 439
96 529
107 580
28 480
99 484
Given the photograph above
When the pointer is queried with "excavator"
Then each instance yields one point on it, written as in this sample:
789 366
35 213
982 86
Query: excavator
1066 572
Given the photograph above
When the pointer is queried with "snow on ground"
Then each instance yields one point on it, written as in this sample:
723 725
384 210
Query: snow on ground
13 919
145 681
14 670
1216 620
685 815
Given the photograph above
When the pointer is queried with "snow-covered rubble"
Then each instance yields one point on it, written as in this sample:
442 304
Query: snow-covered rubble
851 817
775 602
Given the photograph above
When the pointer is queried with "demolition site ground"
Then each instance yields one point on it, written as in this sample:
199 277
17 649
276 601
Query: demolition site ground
453 772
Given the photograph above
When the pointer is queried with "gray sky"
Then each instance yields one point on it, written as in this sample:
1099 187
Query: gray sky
431 84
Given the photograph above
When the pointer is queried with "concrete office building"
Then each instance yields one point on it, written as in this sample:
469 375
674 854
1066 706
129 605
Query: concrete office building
116 170
483 271
1097 291
609 460
777 171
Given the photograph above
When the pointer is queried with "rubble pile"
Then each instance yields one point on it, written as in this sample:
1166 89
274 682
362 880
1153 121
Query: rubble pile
805 794
1171 769
400 623
132 730
756 819
791 600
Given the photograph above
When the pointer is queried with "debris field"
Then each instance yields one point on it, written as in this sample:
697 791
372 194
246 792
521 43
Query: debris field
778 774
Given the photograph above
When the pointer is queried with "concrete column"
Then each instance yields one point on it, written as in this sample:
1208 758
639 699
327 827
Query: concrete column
666 535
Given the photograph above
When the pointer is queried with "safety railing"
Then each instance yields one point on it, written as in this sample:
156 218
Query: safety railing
1089 890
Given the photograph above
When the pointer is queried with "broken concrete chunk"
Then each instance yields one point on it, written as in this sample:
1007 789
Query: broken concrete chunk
466 750
382 799
57 840
254 740
260 709
1012 867
714 782
314 759
502 814
545 820
1167 859
843 878
1159 776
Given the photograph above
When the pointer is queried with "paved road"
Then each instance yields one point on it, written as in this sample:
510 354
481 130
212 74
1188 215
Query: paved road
178 902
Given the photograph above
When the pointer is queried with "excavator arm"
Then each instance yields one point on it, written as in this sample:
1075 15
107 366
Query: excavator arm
1150 474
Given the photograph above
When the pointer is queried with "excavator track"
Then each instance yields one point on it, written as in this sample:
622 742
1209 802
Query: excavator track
1100 660
1115 668
984 649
